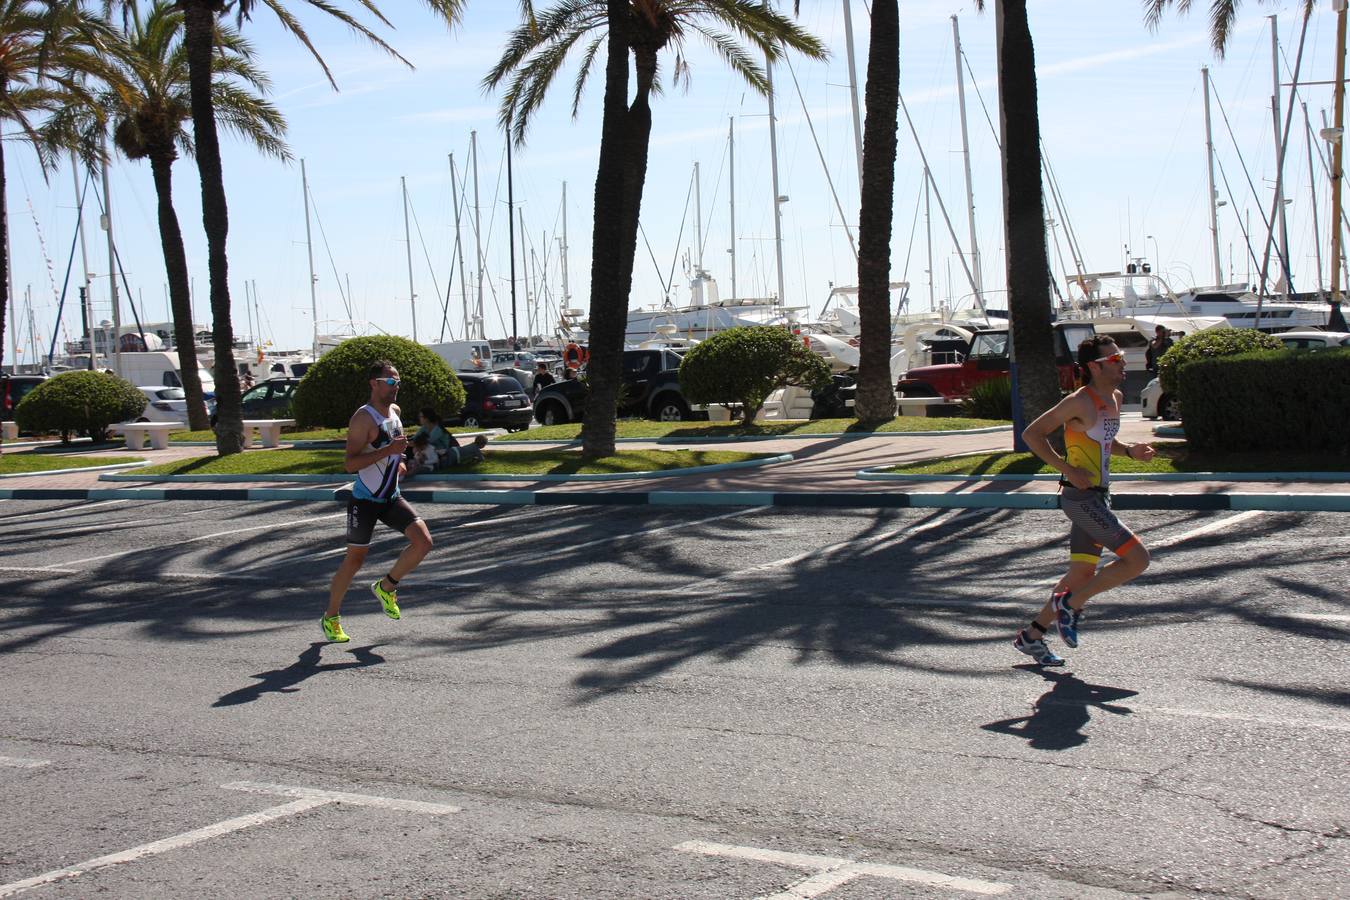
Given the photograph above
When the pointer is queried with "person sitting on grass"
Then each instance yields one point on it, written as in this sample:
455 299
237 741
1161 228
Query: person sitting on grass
465 455
425 458
435 431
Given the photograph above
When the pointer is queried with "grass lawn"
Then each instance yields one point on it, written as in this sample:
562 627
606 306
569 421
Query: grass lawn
524 462
1173 456
315 434
642 428
15 463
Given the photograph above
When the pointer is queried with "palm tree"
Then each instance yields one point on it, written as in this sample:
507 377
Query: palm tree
149 108
200 20
1028 274
43 51
533 56
876 393
1222 15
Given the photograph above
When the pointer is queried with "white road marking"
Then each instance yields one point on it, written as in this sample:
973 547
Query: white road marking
1209 528
831 871
283 790
1287 725
1314 617
201 537
29 570
163 846
307 799
18 762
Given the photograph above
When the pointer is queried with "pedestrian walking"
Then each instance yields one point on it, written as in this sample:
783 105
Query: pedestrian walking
375 447
542 377
1161 343
1090 417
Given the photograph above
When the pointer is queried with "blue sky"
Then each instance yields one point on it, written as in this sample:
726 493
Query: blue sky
1120 110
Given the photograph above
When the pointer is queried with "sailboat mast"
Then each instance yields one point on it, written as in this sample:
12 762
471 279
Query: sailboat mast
567 294
478 234
1213 194
965 154
698 222
731 165
407 239
13 321
928 227
853 84
459 245
106 225
778 199
511 235
86 298
1312 189
1279 149
313 279
1337 145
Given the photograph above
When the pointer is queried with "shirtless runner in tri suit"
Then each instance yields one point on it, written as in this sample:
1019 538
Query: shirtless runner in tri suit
1090 417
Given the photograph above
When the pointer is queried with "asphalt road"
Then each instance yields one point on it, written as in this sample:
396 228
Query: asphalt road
646 702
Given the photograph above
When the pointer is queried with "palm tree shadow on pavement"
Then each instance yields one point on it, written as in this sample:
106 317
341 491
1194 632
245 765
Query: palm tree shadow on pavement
285 681
1062 712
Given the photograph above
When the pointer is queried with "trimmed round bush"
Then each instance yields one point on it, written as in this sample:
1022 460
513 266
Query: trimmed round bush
79 403
339 383
744 365
1207 345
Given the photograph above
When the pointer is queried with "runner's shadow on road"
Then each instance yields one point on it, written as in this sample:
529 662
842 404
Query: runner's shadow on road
1062 712
285 681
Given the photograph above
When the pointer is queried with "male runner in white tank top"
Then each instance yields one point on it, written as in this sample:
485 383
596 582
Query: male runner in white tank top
1090 417
375 445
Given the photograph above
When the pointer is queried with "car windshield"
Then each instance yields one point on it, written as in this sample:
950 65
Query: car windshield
256 393
990 344
171 394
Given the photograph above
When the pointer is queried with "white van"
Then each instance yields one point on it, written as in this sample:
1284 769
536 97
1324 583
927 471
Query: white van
465 356
160 367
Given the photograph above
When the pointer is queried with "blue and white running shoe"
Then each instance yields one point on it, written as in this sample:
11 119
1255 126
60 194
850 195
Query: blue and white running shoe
1037 650
1066 618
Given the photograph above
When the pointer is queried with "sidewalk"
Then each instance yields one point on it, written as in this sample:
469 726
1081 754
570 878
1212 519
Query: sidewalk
822 473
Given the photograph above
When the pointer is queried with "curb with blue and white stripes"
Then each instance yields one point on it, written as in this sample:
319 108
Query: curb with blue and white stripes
1265 502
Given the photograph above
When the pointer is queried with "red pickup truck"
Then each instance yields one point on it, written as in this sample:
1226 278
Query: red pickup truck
988 359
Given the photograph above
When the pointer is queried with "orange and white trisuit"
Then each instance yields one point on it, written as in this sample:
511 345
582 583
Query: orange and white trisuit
1094 524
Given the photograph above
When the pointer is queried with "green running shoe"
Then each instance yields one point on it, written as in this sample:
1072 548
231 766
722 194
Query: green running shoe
388 599
332 629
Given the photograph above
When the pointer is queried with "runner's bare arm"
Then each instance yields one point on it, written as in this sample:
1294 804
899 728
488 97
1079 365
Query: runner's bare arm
360 432
1037 434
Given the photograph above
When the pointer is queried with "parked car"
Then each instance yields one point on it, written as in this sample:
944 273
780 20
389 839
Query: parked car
1313 340
493 401
14 388
988 359
1157 405
651 389
270 399
164 404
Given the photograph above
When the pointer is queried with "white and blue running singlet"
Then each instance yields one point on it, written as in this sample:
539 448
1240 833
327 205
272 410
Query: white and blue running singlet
379 480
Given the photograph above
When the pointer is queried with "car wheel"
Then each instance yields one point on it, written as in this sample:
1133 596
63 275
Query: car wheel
671 409
142 419
472 422
1169 408
552 414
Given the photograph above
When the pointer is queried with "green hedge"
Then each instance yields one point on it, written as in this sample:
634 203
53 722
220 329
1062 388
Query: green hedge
1208 345
339 383
1268 401
79 403
744 365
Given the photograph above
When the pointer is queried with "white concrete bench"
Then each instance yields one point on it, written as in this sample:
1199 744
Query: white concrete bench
269 431
136 434
9 431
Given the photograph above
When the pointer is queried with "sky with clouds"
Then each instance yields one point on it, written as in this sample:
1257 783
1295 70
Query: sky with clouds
1121 116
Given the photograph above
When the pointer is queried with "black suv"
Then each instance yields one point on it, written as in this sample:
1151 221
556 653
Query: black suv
493 401
14 388
651 388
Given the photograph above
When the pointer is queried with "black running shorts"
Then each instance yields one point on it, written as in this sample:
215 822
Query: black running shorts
363 514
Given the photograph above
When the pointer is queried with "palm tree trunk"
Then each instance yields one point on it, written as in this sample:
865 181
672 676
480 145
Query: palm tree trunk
609 284
4 242
876 393
180 299
199 17
1024 216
